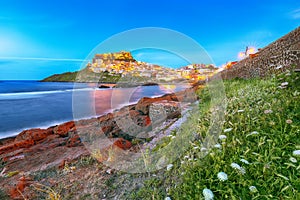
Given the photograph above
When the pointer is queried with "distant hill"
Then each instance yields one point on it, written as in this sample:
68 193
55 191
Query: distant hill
83 76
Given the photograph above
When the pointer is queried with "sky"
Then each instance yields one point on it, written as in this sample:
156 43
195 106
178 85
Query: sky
41 38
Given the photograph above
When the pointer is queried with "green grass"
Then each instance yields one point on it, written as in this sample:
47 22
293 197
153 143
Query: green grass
83 76
252 105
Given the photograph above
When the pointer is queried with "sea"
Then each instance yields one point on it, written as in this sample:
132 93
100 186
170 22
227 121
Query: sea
33 104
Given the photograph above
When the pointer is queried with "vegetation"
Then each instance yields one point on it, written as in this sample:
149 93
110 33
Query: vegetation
84 76
255 156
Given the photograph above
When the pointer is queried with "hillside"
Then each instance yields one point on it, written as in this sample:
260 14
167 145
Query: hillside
84 75
281 55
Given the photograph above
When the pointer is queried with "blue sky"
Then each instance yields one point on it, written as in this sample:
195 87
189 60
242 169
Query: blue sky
55 36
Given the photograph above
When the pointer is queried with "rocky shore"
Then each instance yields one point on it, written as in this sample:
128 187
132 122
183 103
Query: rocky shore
39 149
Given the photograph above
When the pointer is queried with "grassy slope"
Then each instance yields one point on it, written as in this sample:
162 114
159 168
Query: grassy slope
83 76
270 170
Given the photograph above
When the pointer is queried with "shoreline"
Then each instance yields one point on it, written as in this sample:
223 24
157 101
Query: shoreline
154 98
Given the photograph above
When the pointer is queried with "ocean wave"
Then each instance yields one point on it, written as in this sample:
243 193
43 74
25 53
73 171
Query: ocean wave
33 94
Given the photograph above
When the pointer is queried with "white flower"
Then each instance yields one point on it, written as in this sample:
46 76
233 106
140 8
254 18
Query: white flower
196 147
289 121
169 167
173 137
227 130
284 84
208 194
235 166
293 160
186 157
242 170
279 67
167 198
218 146
268 111
239 111
252 133
245 161
222 137
296 153
238 167
252 188
222 176
203 149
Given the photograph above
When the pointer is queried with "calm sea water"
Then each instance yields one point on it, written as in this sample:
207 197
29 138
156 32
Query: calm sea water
31 104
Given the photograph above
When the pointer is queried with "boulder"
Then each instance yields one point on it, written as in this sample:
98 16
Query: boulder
64 129
122 143
33 134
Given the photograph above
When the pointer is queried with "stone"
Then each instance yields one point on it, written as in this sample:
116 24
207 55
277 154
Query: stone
33 134
122 143
64 129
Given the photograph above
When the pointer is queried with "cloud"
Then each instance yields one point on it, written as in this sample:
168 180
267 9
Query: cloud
295 14
43 59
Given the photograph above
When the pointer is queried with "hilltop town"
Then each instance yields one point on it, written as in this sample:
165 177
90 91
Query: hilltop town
122 64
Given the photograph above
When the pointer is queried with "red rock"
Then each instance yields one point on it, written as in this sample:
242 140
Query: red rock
64 129
16 145
74 141
147 120
33 134
122 143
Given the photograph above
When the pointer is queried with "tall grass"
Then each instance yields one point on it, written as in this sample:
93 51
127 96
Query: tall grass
256 150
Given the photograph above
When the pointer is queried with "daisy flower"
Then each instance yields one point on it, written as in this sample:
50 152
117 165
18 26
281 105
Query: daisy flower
222 176
208 194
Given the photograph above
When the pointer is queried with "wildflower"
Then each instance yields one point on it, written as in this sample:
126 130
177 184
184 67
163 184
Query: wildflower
252 133
222 176
208 194
167 198
222 137
242 170
173 137
218 146
245 161
284 84
288 121
235 166
279 67
253 189
196 147
227 130
296 153
293 160
280 87
186 157
239 111
203 149
169 167
268 111
238 167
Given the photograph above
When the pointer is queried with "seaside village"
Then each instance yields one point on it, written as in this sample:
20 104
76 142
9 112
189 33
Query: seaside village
123 63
